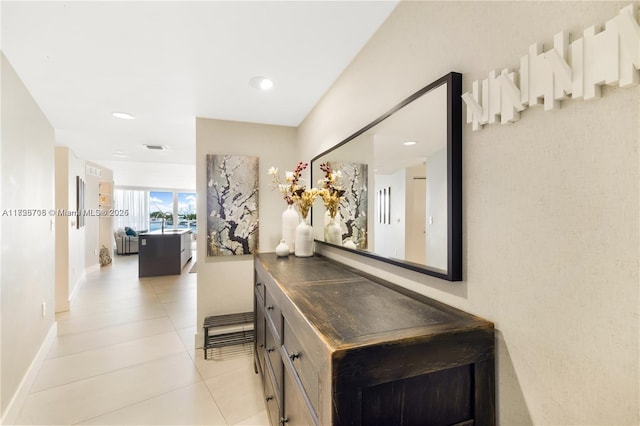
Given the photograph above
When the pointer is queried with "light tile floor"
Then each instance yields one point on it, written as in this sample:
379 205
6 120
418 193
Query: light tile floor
124 355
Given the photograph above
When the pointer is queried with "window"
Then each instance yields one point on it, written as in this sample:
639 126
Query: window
160 210
134 203
187 210
148 209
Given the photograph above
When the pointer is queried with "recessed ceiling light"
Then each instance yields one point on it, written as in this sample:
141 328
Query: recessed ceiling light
262 83
120 154
408 143
123 115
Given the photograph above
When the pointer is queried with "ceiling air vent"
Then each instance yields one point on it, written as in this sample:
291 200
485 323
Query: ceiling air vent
155 147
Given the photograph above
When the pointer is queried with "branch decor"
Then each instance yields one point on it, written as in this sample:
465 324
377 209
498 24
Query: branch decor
332 193
291 182
304 198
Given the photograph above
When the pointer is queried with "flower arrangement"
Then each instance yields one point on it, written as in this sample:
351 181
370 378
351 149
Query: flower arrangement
291 183
331 192
305 198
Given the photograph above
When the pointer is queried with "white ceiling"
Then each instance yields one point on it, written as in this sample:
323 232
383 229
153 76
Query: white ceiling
169 62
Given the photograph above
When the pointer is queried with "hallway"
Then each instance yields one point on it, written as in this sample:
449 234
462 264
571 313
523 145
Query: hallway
124 355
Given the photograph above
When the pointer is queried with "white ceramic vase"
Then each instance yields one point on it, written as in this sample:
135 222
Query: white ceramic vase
326 218
304 239
350 244
332 232
282 250
290 219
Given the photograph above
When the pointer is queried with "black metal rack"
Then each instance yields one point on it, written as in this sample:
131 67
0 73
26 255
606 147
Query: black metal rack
214 341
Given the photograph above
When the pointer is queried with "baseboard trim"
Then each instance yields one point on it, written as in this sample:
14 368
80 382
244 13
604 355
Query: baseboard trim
93 268
80 282
10 415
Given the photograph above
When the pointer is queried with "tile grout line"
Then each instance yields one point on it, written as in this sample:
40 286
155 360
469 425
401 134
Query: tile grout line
137 402
102 348
151 334
92 330
137 364
204 381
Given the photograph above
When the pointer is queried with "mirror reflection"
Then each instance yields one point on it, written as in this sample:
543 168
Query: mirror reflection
395 176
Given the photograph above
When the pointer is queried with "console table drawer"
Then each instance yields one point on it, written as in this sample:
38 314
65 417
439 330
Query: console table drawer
273 354
302 364
273 312
259 290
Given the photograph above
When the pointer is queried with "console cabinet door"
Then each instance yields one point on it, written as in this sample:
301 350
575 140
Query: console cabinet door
296 412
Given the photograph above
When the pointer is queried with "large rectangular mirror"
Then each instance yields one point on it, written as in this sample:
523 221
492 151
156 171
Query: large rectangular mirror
402 177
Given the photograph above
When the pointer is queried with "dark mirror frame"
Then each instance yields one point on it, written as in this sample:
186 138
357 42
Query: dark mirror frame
453 81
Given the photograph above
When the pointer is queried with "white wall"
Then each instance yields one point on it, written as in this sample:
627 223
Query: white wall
27 272
225 283
68 264
94 224
105 222
551 206
75 254
75 235
152 175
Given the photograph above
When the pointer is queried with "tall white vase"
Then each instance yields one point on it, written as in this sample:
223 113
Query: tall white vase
304 239
290 219
333 232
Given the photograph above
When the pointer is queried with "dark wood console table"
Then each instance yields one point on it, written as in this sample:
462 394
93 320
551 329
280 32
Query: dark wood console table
337 347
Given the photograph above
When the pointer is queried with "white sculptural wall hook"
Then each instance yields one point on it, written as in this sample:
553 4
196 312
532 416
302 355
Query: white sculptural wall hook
577 70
